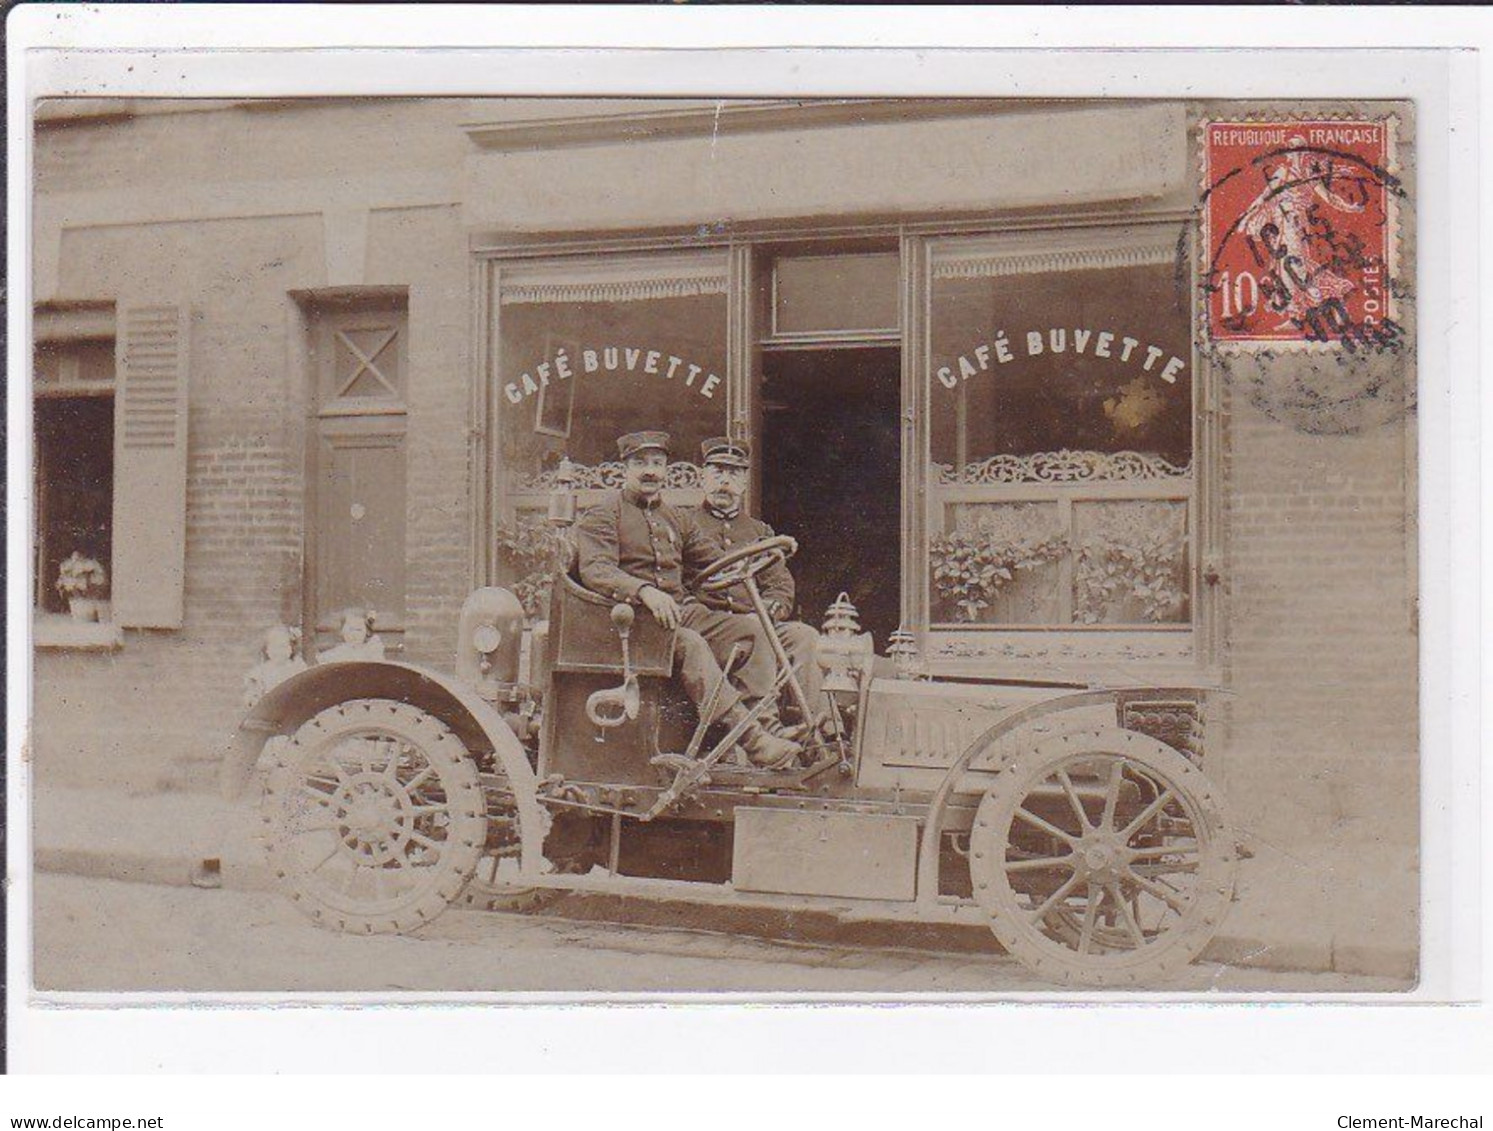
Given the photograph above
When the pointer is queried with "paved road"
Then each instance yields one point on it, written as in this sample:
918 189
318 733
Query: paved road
107 935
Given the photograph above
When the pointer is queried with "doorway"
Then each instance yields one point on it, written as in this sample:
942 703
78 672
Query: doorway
358 500
832 476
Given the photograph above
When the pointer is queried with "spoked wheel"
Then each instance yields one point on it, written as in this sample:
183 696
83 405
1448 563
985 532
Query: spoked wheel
375 817
1102 859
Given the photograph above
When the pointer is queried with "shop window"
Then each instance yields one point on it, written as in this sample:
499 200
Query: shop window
1061 485
591 351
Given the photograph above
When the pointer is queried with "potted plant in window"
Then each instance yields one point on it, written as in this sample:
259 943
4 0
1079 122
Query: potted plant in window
83 582
1132 568
975 565
531 551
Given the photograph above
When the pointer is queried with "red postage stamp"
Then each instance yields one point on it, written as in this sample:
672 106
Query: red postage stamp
1299 232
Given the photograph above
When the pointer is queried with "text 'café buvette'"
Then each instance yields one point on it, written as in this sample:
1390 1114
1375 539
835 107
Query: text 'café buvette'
614 359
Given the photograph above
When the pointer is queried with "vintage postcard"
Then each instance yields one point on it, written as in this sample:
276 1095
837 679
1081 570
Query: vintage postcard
878 546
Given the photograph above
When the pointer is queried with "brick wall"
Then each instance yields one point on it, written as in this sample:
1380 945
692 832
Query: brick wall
142 714
170 690
1321 648
423 249
1318 752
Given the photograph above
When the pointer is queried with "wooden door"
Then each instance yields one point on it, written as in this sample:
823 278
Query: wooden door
358 553
361 520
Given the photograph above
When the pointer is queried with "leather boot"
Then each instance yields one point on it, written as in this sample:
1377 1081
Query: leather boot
765 749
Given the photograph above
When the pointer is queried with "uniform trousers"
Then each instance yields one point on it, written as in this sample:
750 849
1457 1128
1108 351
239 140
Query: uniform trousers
705 634
754 673
697 672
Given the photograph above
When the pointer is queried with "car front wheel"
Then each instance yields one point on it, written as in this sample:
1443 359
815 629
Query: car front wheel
1102 859
374 817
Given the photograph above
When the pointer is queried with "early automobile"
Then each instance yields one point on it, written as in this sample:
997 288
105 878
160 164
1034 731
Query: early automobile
1076 821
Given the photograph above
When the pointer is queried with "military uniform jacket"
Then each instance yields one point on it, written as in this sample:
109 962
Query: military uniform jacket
716 534
623 544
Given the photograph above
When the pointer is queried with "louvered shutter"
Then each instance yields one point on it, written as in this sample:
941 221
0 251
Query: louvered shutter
150 466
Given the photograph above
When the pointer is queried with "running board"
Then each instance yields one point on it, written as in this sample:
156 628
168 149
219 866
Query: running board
944 909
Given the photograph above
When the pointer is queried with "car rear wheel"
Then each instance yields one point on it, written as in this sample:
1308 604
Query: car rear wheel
374 817
1102 859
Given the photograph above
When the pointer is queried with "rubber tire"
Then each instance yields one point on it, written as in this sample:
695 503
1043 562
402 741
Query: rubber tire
1018 774
467 811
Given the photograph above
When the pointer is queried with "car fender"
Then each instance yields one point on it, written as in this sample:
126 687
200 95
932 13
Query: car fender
473 720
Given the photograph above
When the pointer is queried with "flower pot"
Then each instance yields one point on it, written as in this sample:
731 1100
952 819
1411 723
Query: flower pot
85 608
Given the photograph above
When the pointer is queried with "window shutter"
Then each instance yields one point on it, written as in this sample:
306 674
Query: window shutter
150 466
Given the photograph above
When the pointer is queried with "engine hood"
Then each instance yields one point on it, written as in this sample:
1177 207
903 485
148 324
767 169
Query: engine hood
927 725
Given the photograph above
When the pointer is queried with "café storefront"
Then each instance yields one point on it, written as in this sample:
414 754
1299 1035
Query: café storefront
987 434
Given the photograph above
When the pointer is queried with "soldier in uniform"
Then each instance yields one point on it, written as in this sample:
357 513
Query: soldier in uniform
632 547
722 519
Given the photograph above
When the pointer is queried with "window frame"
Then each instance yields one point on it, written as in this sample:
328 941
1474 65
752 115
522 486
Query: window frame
1064 648
500 497
68 326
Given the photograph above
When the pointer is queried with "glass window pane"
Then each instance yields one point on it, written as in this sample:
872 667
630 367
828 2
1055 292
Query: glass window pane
835 294
95 362
1131 562
85 362
1090 360
575 375
74 487
998 563
1060 431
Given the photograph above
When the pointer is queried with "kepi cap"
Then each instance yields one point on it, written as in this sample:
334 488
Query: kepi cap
635 442
726 452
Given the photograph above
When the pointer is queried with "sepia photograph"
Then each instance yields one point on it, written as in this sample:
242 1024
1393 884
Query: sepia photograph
641 546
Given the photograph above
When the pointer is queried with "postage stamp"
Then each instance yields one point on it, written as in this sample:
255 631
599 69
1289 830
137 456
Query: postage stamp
1299 226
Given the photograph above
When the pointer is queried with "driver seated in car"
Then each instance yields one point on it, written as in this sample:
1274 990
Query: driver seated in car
722 519
633 547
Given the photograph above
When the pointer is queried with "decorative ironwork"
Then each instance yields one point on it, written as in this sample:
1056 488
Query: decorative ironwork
1178 723
605 476
1065 466
943 648
614 290
1041 263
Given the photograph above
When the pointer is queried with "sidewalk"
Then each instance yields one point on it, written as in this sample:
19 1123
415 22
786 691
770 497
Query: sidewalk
158 838
1290 913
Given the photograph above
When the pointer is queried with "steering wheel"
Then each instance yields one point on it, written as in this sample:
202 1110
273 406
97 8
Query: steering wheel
736 566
